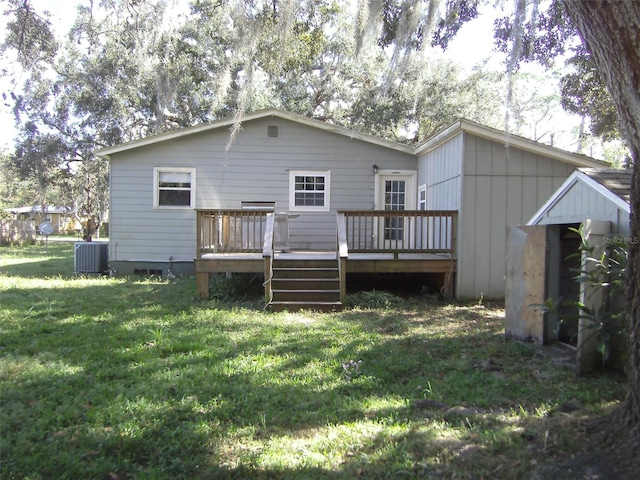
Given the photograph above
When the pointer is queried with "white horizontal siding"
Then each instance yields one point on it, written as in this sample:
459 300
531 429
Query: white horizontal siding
501 186
254 168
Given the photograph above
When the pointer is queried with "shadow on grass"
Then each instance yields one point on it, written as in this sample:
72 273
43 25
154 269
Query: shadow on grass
130 378
38 260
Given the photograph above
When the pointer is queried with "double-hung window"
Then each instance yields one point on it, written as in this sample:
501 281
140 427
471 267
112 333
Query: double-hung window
309 190
174 187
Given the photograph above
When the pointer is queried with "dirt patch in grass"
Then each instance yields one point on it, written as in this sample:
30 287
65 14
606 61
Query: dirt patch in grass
594 458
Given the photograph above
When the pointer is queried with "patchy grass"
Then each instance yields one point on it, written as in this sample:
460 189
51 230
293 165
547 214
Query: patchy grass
135 378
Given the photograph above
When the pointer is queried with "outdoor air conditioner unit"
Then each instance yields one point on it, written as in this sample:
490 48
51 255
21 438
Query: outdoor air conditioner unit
90 257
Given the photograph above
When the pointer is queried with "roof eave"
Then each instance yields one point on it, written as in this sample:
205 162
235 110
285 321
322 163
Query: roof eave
574 178
508 140
228 122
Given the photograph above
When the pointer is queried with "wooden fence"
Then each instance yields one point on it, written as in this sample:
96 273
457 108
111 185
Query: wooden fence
17 231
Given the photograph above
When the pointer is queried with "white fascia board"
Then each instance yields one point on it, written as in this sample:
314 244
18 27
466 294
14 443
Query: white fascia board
508 140
605 192
439 138
557 195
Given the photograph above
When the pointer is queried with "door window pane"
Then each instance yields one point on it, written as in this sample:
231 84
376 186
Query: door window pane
394 199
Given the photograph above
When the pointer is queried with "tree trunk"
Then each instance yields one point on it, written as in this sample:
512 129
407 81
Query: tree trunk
610 30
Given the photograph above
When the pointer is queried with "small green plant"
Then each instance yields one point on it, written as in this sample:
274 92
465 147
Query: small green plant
158 336
351 369
237 287
373 299
425 391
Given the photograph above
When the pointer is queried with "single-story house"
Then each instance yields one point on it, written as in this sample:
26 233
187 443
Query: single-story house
57 216
540 264
289 186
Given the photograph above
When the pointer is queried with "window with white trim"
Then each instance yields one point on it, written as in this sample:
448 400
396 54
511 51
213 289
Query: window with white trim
422 197
309 190
174 187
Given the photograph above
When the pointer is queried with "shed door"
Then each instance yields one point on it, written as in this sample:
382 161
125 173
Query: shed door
525 281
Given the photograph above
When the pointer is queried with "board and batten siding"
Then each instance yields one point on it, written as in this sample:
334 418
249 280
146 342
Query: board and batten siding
501 186
255 168
440 171
581 202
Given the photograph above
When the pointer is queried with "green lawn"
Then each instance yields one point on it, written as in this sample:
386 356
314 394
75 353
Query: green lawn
122 378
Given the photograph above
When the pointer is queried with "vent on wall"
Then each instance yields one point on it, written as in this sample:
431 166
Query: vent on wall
272 131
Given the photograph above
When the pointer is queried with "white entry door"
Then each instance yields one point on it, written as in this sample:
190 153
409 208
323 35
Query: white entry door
396 191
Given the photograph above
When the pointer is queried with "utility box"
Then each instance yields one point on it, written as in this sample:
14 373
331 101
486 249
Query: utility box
90 257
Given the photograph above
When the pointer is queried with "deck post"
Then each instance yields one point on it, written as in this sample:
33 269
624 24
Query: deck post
199 223
454 233
343 278
343 253
268 254
447 284
202 282
268 267
202 278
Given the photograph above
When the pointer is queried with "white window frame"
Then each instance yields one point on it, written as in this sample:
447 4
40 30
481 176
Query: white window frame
422 197
156 187
411 189
309 173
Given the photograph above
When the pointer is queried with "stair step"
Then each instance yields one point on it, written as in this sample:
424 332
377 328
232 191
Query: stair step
279 306
306 295
309 284
319 272
305 283
304 263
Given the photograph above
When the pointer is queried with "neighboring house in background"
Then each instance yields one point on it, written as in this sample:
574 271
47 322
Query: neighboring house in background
181 195
59 217
540 264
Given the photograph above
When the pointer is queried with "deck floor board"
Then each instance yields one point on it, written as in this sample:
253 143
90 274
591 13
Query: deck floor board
356 262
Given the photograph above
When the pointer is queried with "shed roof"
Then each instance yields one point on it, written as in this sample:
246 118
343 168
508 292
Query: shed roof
38 209
508 139
616 181
614 185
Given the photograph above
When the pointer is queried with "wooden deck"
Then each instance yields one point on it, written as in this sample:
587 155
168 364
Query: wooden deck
356 262
230 241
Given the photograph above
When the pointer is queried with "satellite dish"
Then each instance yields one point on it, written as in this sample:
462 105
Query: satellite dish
46 228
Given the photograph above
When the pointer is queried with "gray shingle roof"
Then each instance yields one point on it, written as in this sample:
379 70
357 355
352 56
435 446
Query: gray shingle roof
617 181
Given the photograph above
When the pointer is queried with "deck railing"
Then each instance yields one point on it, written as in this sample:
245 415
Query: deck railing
268 254
342 252
231 231
399 231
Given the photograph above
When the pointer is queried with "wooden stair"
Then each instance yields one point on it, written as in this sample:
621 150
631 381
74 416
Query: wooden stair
305 284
